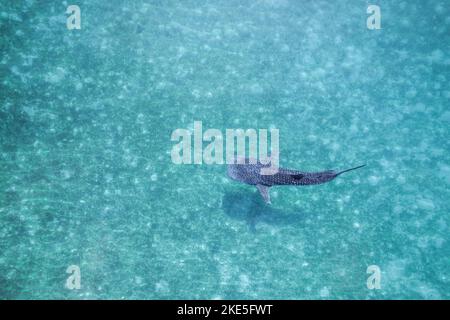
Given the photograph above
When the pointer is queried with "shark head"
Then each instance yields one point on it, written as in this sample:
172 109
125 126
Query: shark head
247 173
233 172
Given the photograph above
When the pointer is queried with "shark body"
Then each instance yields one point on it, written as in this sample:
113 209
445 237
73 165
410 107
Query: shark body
249 172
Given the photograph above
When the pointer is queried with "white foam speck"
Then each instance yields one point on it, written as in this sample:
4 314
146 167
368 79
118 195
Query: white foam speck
324 292
56 76
425 204
162 286
373 180
244 281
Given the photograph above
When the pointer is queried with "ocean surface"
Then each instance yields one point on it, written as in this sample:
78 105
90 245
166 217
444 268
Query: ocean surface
87 179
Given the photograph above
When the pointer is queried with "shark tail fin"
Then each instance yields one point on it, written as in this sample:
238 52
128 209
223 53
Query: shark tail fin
350 169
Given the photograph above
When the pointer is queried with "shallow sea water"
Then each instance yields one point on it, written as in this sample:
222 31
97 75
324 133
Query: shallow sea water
86 176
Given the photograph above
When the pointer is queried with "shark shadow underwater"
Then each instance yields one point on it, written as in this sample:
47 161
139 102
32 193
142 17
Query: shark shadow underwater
249 172
250 209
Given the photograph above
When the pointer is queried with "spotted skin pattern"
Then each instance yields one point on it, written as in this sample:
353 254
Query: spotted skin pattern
250 173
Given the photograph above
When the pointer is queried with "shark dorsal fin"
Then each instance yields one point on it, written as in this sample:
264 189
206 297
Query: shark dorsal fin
264 191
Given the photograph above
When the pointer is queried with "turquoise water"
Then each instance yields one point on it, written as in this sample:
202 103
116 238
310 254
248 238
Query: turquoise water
86 176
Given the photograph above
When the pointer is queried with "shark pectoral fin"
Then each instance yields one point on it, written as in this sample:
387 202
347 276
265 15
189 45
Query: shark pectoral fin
264 191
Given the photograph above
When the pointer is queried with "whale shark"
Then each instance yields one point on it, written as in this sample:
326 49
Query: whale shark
248 171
